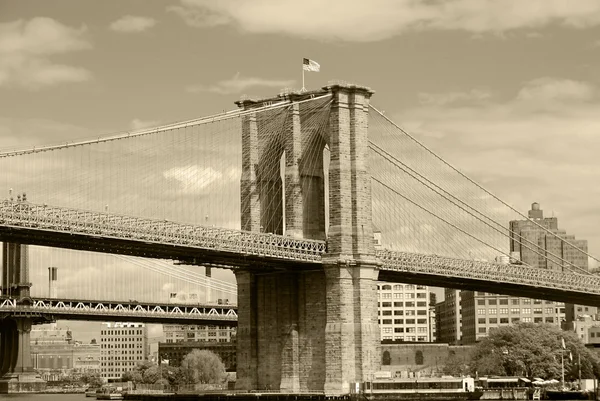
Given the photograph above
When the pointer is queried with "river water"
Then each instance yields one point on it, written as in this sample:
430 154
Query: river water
44 397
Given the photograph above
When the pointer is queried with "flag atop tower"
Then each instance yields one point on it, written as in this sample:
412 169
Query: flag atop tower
310 65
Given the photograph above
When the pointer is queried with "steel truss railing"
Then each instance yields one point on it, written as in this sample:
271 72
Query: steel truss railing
74 221
122 309
488 271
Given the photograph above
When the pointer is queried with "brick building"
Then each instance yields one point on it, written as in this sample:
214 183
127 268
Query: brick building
403 312
122 346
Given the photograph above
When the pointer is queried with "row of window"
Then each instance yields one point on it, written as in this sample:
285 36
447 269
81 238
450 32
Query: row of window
403 321
524 311
400 295
405 287
406 338
407 304
118 332
405 330
525 319
513 301
121 339
402 312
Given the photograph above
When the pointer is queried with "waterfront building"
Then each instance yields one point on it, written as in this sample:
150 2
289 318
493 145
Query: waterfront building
403 312
175 333
123 346
55 355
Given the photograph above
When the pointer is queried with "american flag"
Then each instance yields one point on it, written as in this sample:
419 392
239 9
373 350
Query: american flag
310 65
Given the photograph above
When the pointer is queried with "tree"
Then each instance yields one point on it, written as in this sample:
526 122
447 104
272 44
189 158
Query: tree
454 365
532 350
91 379
202 366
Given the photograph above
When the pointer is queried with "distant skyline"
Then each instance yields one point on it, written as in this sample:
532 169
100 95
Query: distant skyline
505 90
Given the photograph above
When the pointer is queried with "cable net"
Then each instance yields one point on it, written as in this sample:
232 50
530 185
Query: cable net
422 204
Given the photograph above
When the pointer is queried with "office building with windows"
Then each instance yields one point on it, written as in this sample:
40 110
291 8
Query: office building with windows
122 347
403 312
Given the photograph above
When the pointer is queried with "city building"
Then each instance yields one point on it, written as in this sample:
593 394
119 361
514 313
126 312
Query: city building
448 318
432 317
55 355
538 242
174 352
175 333
123 346
420 360
403 312
483 311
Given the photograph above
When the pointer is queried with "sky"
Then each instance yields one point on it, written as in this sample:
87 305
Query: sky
507 91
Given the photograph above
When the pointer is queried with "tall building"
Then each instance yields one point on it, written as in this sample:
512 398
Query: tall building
449 317
538 242
403 312
122 347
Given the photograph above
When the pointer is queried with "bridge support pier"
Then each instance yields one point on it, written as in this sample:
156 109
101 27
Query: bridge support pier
310 330
16 368
17 374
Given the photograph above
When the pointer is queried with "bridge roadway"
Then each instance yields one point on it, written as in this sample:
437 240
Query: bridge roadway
130 311
36 224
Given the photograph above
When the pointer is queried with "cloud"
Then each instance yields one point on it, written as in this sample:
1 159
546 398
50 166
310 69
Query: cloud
237 84
194 179
441 99
132 24
26 48
137 124
382 19
541 145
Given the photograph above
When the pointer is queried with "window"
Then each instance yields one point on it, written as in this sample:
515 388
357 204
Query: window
398 329
481 330
503 320
515 301
398 321
538 319
481 302
419 357
504 311
526 311
410 321
398 304
398 312
481 311
481 320
421 321
515 310
537 311
515 320
550 320
492 302
527 301
492 311
504 301
386 304
526 319
421 304
387 321
549 311
409 304
386 359
493 320
386 287
397 287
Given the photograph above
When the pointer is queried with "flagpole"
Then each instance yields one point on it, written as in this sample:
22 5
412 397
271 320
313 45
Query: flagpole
562 367
303 88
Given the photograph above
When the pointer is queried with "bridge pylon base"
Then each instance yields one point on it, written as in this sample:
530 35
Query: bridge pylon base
16 369
29 382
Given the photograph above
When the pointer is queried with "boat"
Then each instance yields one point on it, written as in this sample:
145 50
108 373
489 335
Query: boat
91 392
109 393
423 388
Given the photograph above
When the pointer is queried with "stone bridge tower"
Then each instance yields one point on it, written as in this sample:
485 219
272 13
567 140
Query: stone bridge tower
309 330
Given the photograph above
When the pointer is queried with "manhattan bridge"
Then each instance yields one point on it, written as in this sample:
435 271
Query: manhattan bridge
309 198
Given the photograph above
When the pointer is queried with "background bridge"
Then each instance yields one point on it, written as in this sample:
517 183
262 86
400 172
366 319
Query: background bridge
302 195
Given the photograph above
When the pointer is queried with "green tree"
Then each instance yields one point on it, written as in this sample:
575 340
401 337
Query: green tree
202 366
531 350
152 375
91 379
454 365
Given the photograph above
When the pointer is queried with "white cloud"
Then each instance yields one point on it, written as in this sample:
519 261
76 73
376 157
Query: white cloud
132 24
540 145
237 84
440 99
381 19
194 179
25 49
137 124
